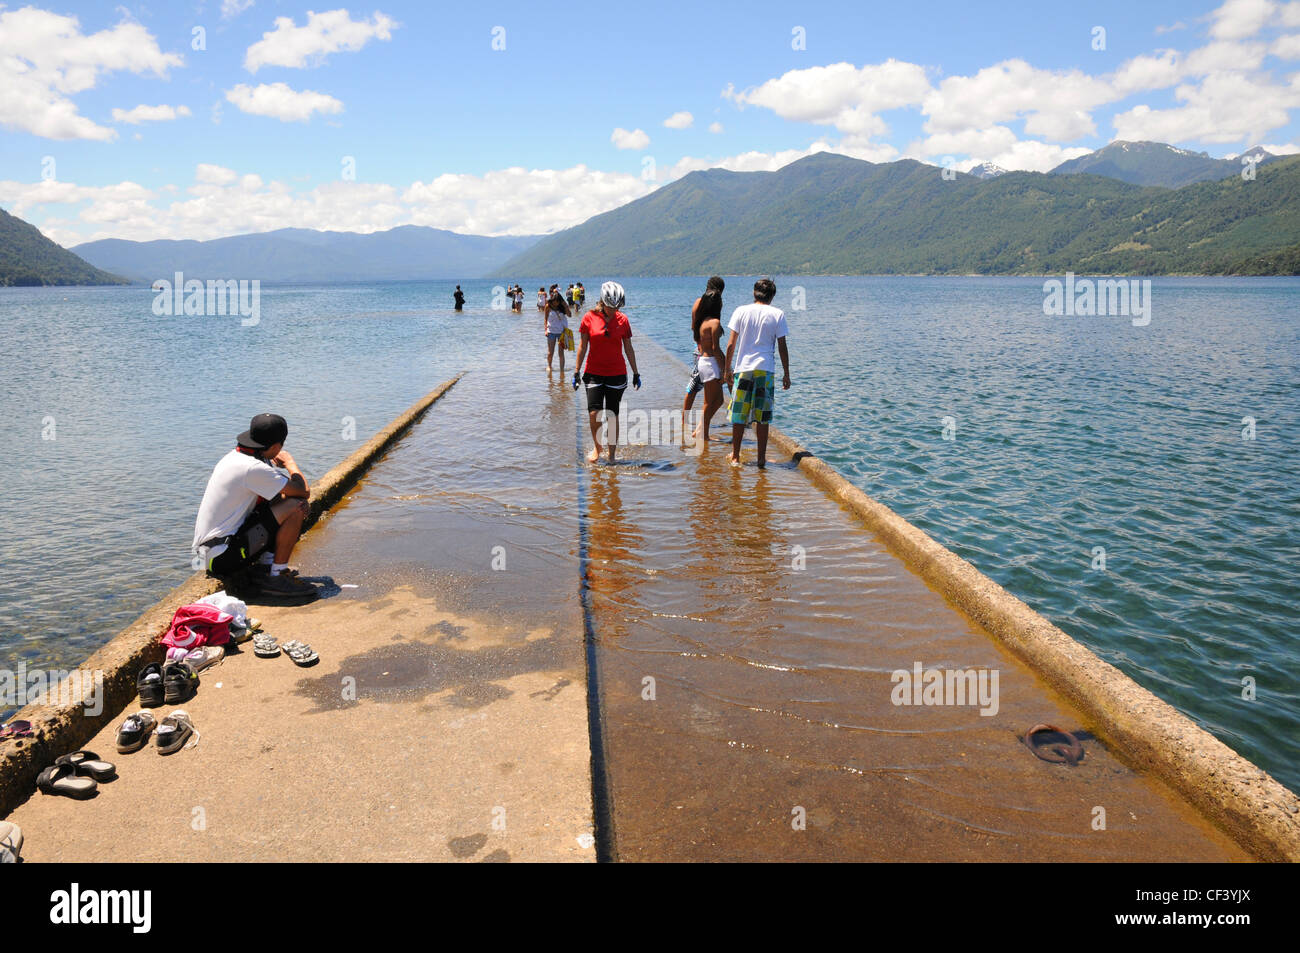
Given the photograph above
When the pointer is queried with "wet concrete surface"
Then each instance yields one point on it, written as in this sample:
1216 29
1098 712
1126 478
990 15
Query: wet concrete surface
744 630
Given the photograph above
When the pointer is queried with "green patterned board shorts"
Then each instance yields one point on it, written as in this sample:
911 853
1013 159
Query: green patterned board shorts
752 397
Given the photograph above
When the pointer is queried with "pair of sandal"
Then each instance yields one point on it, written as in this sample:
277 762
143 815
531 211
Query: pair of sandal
76 775
174 733
265 646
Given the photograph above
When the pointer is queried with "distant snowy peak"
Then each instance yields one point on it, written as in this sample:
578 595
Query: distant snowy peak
987 170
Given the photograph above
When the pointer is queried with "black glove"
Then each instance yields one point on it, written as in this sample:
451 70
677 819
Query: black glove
575 380
636 381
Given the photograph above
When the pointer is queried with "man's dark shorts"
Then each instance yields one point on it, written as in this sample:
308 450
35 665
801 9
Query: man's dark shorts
604 393
247 543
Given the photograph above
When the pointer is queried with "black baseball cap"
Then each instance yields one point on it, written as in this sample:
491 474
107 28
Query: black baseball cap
264 430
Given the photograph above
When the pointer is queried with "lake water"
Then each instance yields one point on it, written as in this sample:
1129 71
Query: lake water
1103 472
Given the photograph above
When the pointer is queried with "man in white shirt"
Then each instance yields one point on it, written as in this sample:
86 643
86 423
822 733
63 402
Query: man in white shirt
756 330
254 505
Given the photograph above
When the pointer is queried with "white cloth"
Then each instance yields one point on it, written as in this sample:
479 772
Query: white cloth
230 606
709 370
238 481
556 321
757 327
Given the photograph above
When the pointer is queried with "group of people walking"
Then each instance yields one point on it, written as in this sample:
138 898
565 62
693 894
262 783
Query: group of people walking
757 334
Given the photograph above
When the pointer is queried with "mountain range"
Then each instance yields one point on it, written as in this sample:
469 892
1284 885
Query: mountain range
307 255
830 214
1155 163
1137 207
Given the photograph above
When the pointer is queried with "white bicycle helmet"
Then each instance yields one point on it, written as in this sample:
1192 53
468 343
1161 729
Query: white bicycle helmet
611 293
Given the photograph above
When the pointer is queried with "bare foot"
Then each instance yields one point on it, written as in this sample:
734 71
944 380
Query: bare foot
594 455
735 461
762 464
611 454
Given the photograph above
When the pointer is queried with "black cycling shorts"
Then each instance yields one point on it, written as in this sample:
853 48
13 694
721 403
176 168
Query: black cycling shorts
240 549
604 393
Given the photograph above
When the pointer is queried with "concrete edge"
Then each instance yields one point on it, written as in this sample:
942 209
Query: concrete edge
1247 803
64 727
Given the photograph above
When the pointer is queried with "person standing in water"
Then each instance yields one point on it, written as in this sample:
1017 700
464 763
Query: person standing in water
541 299
755 329
707 307
607 334
554 322
459 298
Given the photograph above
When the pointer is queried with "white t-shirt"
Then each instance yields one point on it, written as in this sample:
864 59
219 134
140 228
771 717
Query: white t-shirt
757 328
556 321
238 481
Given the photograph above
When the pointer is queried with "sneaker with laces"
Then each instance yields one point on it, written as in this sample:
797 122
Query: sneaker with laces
179 682
149 683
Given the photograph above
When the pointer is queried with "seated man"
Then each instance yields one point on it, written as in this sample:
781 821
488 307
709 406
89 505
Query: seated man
254 506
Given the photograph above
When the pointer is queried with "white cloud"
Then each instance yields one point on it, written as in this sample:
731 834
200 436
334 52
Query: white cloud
1286 47
233 8
1239 19
45 59
222 201
998 145
1286 149
279 101
1224 107
149 114
308 45
206 174
679 120
715 127
1054 104
1224 55
636 139
841 95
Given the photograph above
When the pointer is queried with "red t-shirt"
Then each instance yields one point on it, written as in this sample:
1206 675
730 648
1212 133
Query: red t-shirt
605 351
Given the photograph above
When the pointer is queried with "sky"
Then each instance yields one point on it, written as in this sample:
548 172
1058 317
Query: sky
199 120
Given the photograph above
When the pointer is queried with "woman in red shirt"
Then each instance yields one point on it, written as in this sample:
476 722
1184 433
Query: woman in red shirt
607 335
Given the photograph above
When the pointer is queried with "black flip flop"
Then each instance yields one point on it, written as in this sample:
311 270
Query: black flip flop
62 779
87 764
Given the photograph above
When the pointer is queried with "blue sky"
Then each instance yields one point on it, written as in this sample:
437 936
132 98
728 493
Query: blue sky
261 126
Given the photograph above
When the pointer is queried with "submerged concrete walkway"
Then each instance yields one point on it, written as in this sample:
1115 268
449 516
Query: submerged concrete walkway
744 630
